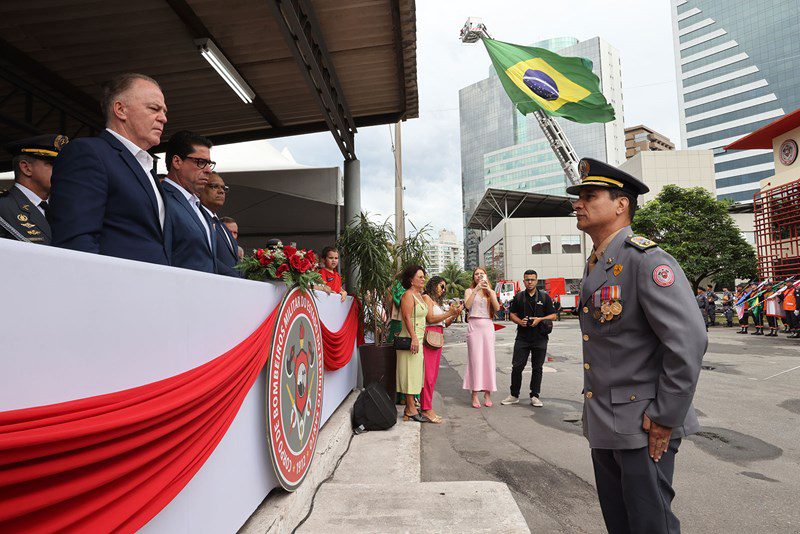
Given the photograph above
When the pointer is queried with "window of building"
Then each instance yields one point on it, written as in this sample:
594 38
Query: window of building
570 244
540 244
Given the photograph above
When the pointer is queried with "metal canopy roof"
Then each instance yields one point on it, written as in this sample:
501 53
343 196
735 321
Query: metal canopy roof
499 204
314 65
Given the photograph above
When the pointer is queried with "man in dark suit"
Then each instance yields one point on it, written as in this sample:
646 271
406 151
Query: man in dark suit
24 206
105 198
212 197
194 242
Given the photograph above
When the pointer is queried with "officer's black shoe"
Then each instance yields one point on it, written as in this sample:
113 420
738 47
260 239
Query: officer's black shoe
758 332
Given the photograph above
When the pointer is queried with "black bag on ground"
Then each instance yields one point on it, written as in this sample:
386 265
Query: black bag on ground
373 409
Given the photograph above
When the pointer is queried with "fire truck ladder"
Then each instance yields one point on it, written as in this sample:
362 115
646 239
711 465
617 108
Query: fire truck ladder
472 32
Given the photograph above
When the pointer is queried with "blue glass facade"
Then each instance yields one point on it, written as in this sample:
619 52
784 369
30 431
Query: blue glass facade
737 64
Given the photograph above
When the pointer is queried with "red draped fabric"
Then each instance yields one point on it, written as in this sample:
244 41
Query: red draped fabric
339 345
112 462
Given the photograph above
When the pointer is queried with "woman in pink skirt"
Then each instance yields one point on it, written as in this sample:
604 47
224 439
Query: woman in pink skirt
482 304
438 319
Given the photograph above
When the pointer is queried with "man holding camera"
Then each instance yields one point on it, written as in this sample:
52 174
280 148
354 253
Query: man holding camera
533 312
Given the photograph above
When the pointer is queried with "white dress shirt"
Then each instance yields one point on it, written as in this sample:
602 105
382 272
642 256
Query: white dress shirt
146 161
194 202
217 221
33 197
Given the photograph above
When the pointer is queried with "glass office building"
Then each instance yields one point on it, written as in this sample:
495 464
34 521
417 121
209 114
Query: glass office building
736 64
503 149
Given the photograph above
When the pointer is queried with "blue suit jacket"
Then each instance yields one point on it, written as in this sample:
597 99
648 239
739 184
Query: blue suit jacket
227 251
190 248
101 201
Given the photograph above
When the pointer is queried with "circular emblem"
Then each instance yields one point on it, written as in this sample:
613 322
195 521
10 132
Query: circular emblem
663 275
60 141
22 218
541 84
583 168
294 388
788 152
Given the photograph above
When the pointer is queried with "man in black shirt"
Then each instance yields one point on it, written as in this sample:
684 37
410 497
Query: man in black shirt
532 310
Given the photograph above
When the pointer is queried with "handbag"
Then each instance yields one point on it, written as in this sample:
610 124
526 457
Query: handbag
404 343
434 339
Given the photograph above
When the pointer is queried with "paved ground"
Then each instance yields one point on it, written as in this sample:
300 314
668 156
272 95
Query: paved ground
740 474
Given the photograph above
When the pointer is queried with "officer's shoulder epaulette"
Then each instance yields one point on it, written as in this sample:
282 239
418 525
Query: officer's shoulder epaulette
641 243
4 192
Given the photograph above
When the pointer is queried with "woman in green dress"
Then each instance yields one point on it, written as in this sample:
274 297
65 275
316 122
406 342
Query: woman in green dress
410 363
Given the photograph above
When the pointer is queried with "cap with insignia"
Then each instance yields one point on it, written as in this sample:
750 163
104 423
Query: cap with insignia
45 147
599 174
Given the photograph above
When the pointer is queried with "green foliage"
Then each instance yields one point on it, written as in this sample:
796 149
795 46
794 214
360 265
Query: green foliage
457 280
698 232
367 246
412 250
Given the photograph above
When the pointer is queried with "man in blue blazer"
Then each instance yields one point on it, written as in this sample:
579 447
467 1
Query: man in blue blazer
105 198
213 198
194 240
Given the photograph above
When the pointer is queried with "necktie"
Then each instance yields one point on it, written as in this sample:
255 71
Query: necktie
209 222
44 205
593 261
218 224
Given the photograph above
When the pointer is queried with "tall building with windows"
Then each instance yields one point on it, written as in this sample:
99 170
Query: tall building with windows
443 250
503 149
736 64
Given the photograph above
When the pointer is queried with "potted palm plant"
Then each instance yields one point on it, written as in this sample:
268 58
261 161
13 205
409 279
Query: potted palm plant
366 246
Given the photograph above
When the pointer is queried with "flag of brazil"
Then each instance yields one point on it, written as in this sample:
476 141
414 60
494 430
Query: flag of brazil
537 79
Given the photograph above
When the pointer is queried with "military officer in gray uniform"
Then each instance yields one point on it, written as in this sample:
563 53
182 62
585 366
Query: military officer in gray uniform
23 207
643 343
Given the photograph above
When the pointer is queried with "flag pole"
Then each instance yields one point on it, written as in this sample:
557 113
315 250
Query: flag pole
399 215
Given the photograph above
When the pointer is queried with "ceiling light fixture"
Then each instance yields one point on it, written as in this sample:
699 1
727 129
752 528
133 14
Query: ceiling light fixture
224 68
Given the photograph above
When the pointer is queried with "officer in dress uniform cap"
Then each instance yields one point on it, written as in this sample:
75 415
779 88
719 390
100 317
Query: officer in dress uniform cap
45 147
23 207
599 174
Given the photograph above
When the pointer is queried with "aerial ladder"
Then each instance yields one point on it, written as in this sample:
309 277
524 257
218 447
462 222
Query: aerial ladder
472 32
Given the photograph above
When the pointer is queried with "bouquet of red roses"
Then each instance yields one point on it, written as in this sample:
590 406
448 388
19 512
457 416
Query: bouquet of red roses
279 262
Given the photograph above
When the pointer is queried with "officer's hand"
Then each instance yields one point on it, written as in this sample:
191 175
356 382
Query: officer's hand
658 437
536 320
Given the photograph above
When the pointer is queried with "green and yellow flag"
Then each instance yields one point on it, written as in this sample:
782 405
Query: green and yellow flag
537 79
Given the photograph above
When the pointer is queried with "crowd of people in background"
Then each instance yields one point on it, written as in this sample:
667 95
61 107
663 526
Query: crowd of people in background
775 303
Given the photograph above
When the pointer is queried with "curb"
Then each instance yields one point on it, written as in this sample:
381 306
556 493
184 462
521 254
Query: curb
281 511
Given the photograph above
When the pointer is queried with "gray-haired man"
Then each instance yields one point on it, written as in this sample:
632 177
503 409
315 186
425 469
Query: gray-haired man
643 343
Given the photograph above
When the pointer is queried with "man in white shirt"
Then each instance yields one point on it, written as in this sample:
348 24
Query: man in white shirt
189 165
105 198
24 206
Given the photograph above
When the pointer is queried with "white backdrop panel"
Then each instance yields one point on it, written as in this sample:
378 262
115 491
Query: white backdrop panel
77 325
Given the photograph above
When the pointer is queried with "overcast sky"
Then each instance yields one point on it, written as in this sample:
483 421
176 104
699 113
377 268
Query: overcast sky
639 29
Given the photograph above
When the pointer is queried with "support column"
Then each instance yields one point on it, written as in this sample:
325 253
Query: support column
352 207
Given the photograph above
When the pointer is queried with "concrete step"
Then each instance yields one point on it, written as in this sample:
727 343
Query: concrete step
377 488
444 507
384 457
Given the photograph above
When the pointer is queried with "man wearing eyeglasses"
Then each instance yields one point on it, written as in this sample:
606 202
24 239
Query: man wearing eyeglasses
104 197
189 166
213 198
